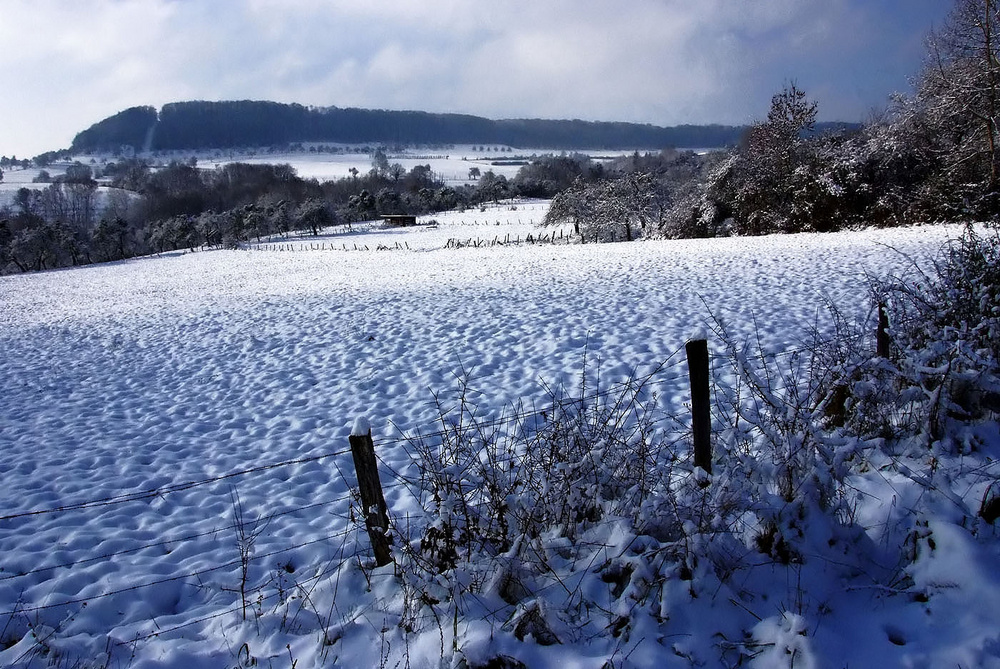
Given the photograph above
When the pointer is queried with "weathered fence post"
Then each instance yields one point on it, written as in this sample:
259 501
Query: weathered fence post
372 500
882 338
701 424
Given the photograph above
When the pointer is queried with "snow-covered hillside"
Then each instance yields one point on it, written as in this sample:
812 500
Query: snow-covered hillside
145 401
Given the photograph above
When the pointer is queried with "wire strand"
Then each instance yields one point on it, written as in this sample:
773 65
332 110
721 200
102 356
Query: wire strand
168 489
176 577
165 542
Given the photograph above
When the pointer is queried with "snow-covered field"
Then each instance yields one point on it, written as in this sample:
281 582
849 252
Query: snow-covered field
140 399
14 180
450 164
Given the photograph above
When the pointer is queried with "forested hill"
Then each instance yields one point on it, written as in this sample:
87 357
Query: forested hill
220 125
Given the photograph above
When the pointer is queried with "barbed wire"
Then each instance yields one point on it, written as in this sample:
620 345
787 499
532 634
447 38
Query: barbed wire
557 401
514 420
236 609
175 577
167 489
505 418
168 542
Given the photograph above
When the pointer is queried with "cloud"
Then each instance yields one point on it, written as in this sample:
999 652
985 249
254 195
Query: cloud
68 64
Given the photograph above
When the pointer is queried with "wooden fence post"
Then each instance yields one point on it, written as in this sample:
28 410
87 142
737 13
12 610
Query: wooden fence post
701 423
882 338
372 500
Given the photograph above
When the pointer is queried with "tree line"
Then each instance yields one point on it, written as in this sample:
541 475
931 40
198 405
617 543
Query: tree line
931 156
144 209
249 123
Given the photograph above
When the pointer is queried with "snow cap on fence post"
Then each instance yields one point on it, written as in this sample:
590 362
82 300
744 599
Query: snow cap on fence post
361 427
698 334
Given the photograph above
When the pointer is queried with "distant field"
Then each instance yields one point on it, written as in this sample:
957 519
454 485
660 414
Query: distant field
450 165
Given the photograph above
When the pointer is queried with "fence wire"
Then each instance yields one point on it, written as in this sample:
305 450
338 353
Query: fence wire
517 417
165 490
175 577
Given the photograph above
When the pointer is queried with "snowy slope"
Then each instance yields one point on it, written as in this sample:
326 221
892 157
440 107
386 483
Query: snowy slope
149 375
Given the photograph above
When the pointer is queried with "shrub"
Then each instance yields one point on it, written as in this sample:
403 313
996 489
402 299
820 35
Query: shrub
947 332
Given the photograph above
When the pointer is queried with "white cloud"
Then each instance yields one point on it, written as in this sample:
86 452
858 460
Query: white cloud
67 64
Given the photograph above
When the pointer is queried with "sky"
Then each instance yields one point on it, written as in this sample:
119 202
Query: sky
66 64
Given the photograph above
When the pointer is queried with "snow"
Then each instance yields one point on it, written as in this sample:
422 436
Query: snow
361 427
14 180
141 397
451 164
699 333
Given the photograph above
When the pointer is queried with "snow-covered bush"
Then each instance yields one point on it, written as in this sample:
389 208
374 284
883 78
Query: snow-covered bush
942 365
774 447
491 482
947 332
796 425
587 489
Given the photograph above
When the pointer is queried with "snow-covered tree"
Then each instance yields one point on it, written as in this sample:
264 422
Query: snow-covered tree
959 88
314 215
624 208
612 210
492 186
380 162
570 206
762 178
